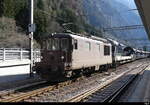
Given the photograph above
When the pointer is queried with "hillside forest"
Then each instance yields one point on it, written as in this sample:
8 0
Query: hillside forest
50 16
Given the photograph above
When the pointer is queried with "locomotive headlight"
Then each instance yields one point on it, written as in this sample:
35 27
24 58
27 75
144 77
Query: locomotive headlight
67 64
41 58
62 57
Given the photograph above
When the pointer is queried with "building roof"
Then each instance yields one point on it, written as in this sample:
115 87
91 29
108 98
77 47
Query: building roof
143 7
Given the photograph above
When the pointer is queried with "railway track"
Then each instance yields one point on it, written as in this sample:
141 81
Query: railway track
31 95
110 94
11 91
107 92
17 96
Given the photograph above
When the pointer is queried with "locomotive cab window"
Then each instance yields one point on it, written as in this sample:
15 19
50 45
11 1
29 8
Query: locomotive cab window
64 44
53 44
106 50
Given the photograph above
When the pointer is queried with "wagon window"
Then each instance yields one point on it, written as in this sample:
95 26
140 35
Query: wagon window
106 50
119 50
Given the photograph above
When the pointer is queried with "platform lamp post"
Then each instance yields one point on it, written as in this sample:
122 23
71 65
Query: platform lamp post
31 29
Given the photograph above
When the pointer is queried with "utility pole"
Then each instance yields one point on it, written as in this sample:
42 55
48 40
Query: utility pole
31 35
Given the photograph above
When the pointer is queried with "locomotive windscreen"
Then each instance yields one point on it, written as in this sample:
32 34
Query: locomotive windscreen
56 44
53 44
64 44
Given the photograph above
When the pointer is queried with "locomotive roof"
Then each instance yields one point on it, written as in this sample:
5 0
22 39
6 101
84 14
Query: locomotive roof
68 35
114 42
94 38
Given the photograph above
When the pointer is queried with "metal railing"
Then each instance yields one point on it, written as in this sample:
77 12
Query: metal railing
36 56
18 54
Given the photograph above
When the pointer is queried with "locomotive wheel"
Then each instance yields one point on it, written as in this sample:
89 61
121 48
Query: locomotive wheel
69 74
114 65
77 73
106 68
88 71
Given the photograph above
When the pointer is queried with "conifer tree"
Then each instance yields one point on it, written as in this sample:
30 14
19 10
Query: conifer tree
8 8
1 8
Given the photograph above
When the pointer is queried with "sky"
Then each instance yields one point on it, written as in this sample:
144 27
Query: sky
129 3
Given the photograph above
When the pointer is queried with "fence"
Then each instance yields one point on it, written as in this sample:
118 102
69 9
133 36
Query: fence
18 54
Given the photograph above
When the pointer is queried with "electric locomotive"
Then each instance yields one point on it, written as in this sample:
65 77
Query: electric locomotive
65 55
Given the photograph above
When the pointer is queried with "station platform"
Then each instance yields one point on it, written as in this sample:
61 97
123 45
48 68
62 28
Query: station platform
139 91
13 70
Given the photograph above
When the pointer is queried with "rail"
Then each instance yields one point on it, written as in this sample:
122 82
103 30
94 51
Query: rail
113 95
22 97
18 54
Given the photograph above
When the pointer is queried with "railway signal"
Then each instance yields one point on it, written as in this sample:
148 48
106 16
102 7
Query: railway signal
31 28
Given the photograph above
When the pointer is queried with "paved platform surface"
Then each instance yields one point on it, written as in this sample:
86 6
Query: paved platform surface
139 91
18 81
13 70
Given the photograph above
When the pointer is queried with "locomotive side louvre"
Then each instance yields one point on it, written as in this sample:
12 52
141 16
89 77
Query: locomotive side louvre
90 53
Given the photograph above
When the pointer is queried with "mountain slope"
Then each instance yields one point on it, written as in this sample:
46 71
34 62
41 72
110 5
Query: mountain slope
111 13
